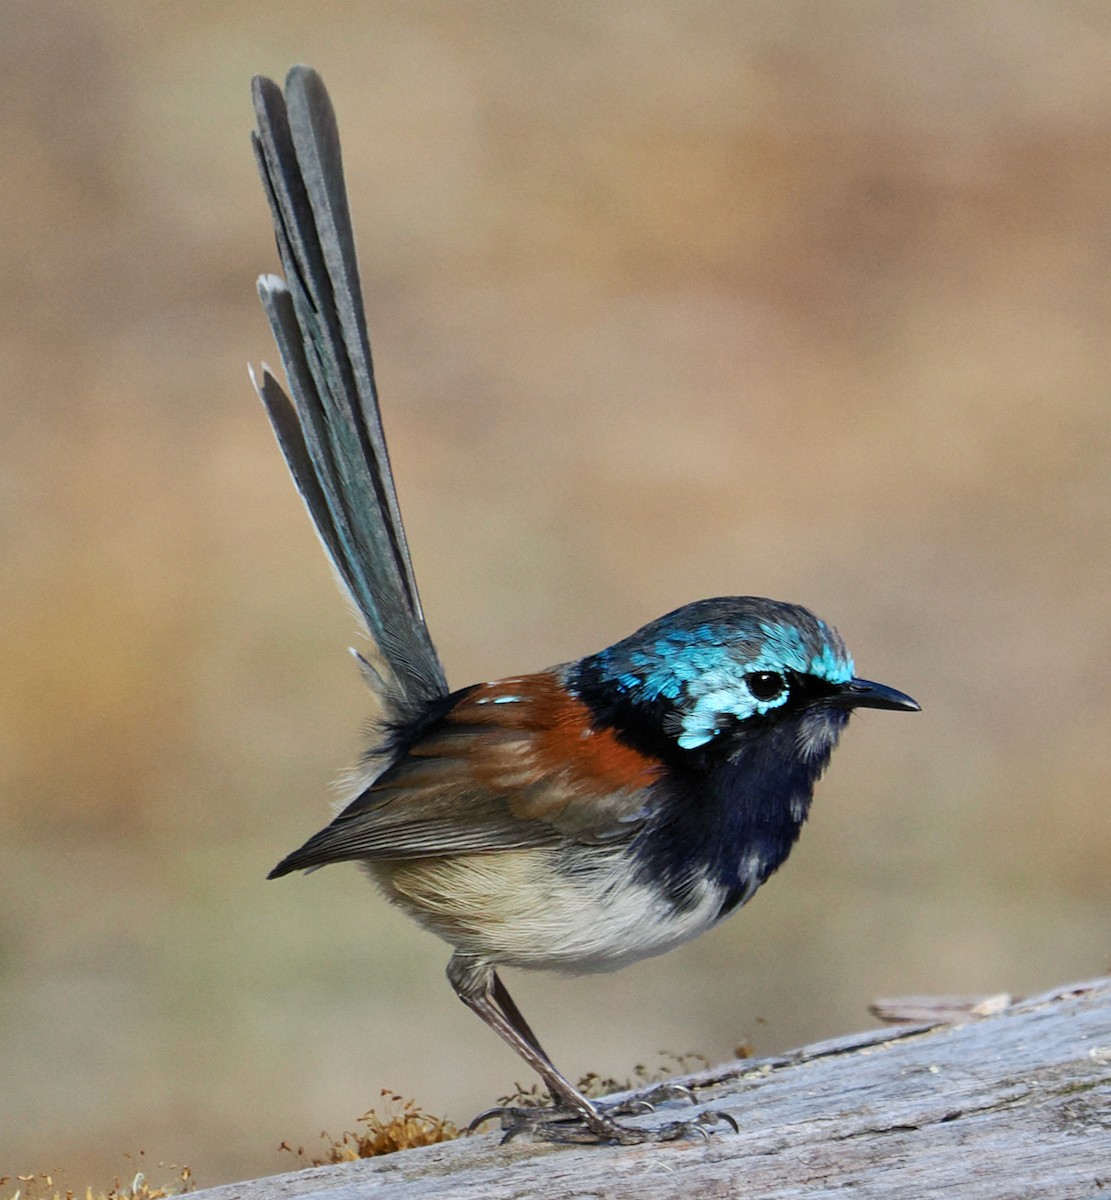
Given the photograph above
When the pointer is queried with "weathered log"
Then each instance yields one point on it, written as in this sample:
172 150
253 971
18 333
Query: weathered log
1012 1105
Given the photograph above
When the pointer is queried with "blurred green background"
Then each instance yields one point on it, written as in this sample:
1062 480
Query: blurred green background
802 298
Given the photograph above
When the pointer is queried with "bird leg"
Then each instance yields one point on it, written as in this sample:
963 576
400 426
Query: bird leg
572 1118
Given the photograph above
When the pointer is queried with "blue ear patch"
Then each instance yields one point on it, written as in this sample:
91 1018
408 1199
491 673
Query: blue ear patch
718 694
722 691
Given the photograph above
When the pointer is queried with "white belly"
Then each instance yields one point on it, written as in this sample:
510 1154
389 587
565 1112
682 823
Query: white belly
514 907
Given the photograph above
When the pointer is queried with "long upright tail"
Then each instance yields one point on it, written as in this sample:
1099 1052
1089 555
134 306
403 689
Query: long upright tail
331 433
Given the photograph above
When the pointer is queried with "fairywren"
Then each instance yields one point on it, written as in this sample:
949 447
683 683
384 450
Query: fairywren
576 819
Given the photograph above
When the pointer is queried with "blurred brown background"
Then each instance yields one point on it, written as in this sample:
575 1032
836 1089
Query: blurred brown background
803 299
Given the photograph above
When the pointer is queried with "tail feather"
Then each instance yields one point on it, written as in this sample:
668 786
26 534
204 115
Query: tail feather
331 432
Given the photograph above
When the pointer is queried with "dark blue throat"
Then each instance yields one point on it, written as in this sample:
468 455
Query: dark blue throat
726 813
731 819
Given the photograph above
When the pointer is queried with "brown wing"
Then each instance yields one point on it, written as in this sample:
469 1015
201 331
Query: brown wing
514 763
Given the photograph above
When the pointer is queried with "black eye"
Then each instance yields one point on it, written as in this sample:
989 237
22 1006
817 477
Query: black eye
766 685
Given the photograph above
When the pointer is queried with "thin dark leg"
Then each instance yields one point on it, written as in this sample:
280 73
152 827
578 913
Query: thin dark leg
506 1003
477 985
574 1118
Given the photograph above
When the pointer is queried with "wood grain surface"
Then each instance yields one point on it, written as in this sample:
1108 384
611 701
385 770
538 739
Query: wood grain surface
1011 1105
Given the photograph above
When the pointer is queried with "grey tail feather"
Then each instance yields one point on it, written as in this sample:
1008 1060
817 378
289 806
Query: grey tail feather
331 431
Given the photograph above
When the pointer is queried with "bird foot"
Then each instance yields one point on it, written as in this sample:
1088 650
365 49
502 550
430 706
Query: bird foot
660 1094
565 1124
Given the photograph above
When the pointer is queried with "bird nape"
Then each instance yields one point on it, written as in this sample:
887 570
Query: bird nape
579 818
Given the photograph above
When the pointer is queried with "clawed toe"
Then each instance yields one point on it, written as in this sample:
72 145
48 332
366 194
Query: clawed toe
647 1101
564 1125
712 1117
521 1117
635 1106
699 1127
516 1120
663 1092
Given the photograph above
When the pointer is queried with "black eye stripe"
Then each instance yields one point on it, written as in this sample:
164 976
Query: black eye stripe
766 685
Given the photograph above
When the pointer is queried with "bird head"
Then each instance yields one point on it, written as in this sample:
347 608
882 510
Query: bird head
714 675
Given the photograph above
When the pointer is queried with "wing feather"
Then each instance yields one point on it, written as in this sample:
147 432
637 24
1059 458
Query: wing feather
495 774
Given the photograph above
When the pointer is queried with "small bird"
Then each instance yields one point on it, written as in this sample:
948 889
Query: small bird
576 819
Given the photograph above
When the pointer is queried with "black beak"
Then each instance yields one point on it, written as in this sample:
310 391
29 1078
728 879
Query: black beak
861 693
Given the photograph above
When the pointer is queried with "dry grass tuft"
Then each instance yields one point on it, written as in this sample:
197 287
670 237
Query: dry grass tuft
44 1186
402 1125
